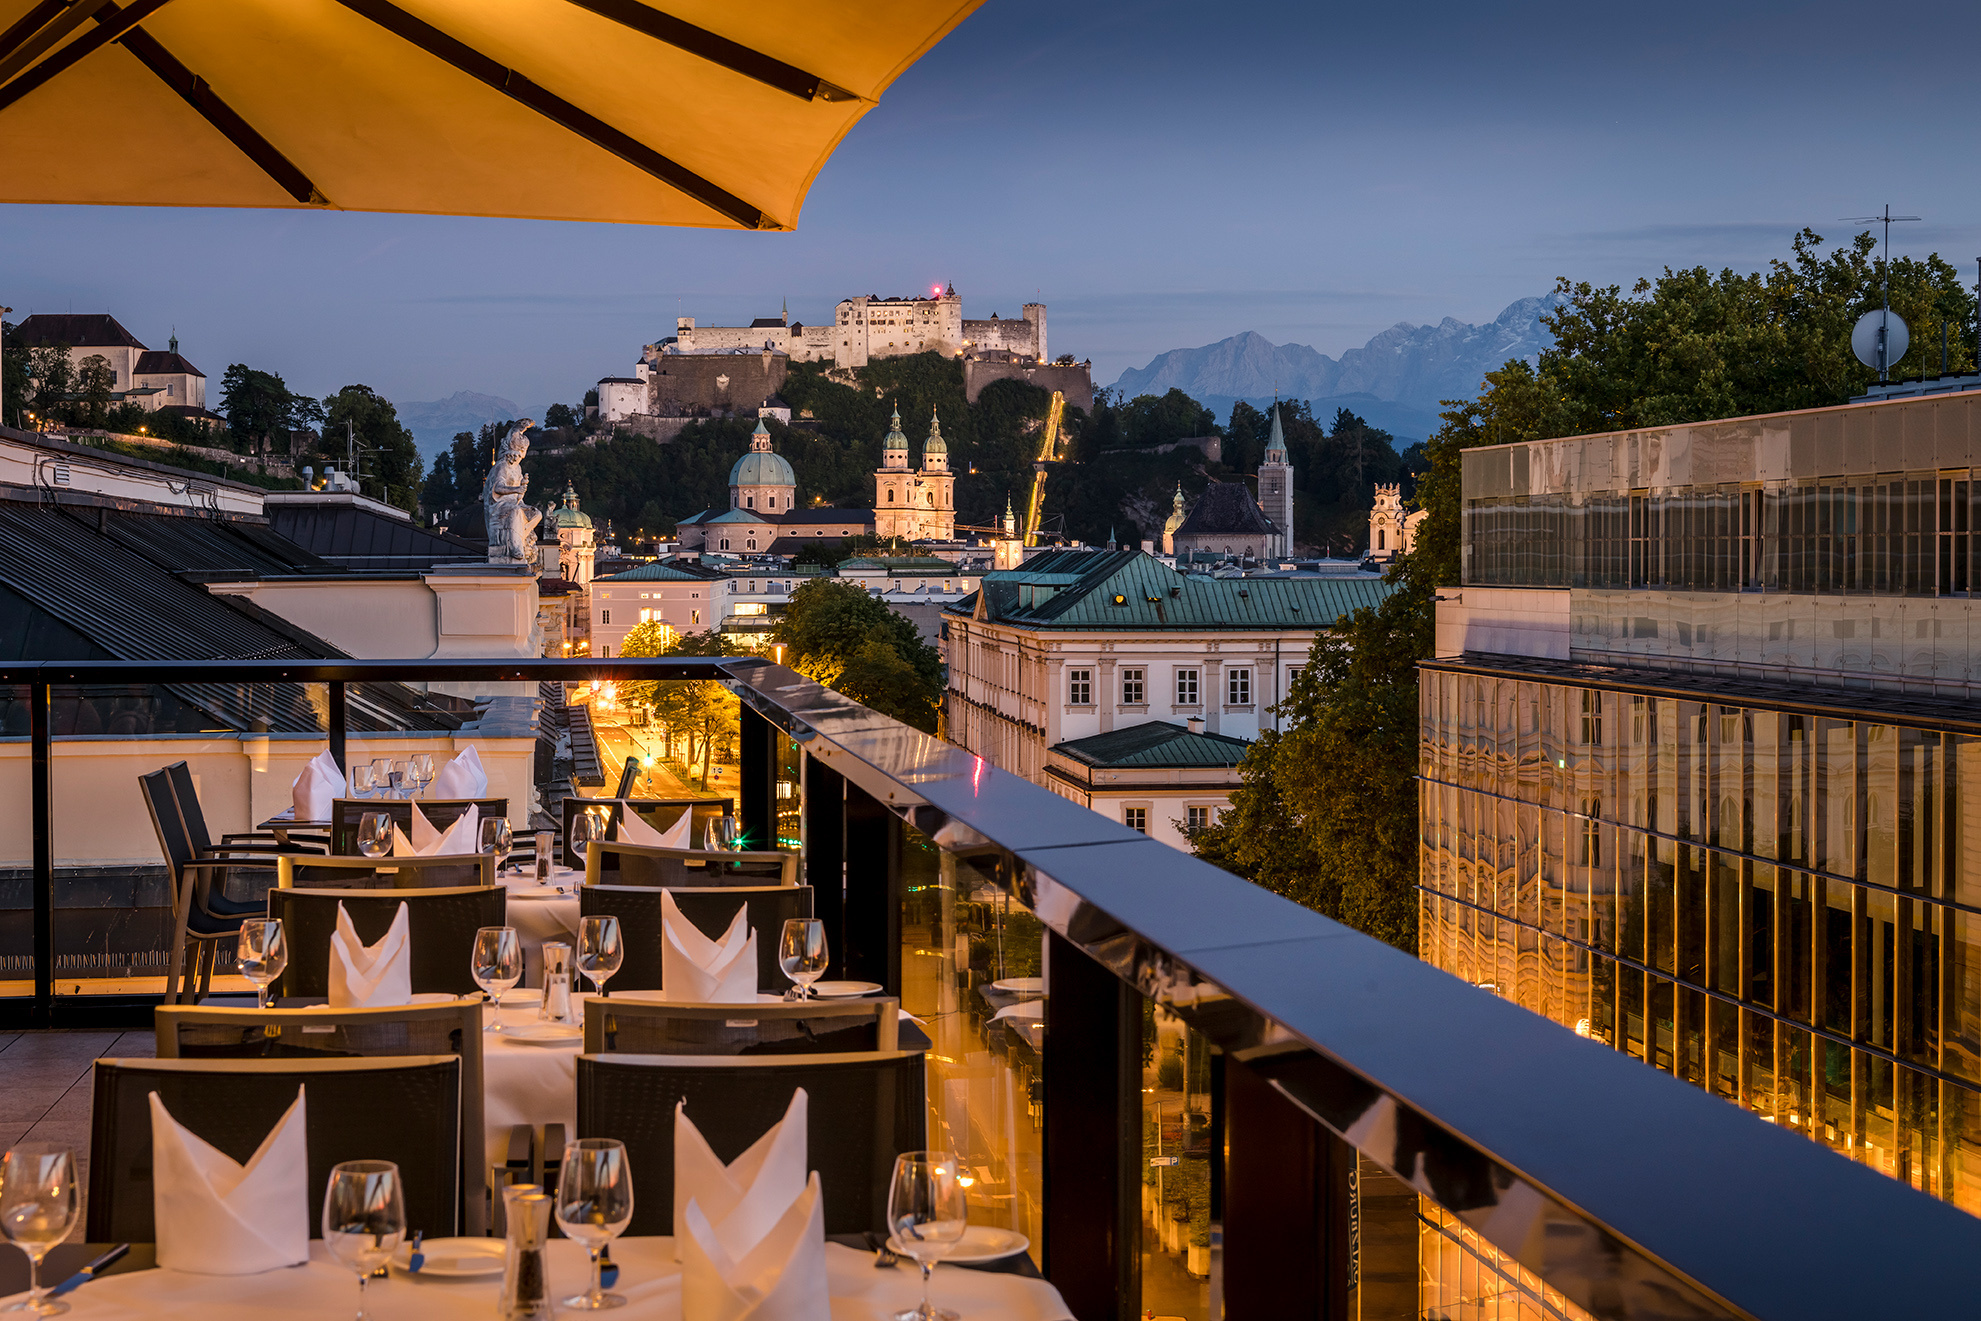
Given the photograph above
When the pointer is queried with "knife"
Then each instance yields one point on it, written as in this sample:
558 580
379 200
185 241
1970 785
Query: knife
416 1259
90 1271
608 1269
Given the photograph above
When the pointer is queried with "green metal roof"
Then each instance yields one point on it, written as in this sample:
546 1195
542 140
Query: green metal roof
1078 589
660 571
1154 745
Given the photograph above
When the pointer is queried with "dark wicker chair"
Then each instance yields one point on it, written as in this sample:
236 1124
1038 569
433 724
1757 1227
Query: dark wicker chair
440 924
619 1026
439 812
406 1110
609 862
863 1110
248 1033
388 873
638 909
659 813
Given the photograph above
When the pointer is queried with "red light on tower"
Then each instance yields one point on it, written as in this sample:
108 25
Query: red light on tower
935 291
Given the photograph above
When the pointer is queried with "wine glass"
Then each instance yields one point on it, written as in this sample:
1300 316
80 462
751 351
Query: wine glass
594 1206
375 834
585 827
362 781
926 1214
801 952
381 776
38 1204
402 778
497 965
496 839
261 954
420 766
722 832
599 950
364 1217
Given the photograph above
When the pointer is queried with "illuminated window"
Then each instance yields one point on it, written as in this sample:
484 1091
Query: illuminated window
751 608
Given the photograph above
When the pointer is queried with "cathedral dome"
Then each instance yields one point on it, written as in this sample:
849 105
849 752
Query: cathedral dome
935 444
568 513
761 466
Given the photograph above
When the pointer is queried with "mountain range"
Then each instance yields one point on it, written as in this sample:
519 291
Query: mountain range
435 422
1396 381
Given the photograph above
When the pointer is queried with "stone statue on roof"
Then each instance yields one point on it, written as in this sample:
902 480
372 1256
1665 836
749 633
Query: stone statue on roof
512 524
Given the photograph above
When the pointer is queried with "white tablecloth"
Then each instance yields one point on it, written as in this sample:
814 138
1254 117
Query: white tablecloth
648 1277
541 913
521 1084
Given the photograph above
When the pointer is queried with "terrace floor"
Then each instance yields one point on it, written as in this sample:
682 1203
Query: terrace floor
45 1088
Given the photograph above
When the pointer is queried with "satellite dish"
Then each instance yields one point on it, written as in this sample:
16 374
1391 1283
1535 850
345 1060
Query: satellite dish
1864 339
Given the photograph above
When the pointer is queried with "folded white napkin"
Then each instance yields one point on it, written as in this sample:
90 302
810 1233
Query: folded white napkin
697 970
633 830
779 1276
750 1235
464 836
320 783
749 1193
370 976
215 1217
463 777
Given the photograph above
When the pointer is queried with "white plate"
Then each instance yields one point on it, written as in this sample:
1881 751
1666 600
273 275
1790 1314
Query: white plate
979 1244
545 1034
521 997
455 1258
435 998
1021 985
537 894
843 990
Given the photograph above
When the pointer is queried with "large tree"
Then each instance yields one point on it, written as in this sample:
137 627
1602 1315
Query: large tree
388 458
848 640
258 404
701 713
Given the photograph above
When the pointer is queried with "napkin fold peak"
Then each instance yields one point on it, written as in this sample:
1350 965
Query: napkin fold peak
428 840
462 777
371 976
634 830
317 787
697 970
214 1216
780 1276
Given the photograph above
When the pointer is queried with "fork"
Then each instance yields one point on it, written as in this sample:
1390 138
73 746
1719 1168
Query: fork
884 1256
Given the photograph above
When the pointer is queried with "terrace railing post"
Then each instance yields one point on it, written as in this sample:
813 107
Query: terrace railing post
757 747
872 913
42 795
1092 1145
337 721
1287 1248
824 805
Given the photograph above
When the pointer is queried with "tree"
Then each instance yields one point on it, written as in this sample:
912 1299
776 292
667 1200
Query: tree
388 458
829 628
95 379
53 378
562 415
700 711
258 404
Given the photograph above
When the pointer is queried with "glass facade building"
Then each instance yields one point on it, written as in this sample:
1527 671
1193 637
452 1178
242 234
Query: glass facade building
1725 815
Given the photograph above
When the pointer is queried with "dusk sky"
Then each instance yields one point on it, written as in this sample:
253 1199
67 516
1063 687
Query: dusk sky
1161 175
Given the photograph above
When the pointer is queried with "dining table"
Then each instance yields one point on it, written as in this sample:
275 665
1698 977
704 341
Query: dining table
649 1279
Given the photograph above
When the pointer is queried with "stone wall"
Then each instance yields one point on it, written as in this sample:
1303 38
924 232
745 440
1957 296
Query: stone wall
1074 380
684 383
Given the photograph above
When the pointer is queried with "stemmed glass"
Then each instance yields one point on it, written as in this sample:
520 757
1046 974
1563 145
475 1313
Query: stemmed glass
801 952
363 782
722 833
364 1217
38 1204
381 776
497 965
496 839
599 950
402 778
375 834
594 1206
420 767
926 1214
585 828
261 954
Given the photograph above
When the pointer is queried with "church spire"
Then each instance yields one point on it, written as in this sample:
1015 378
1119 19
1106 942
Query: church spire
1276 443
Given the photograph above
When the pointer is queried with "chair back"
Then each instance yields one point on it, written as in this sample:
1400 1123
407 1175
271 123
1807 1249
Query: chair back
248 1033
233 1104
657 812
439 812
180 776
862 1108
163 803
315 871
638 909
609 862
440 928
621 1026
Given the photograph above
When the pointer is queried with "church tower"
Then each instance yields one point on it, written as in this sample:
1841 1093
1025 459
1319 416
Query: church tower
937 488
1276 487
1176 517
894 486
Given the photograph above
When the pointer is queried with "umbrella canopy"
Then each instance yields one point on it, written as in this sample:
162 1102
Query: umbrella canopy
710 113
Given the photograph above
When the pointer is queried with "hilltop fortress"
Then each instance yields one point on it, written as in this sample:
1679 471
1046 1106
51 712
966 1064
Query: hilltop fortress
871 327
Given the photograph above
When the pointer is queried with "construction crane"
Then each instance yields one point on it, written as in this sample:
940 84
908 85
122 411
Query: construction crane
1048 453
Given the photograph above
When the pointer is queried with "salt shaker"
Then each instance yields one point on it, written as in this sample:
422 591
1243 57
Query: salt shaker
556 1007
545 843
525 1269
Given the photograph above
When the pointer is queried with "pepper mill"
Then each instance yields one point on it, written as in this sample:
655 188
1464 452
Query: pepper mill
525 1268
556 1007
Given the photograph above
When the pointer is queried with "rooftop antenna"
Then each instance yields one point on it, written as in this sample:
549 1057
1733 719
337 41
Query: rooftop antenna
1891 335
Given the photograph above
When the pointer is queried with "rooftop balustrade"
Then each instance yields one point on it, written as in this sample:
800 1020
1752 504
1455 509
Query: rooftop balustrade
1355 1133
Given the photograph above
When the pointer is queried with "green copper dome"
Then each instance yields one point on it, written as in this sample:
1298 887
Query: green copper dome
895 440
568 513
762 467
935 444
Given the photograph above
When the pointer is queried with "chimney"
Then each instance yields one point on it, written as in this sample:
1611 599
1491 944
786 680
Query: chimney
1196 724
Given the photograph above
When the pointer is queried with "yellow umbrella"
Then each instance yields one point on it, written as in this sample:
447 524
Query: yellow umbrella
712 113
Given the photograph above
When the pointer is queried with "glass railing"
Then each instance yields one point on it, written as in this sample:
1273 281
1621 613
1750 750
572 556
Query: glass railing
1194 1098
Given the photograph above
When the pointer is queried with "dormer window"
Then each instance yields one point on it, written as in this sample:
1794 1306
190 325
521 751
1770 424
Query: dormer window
749 502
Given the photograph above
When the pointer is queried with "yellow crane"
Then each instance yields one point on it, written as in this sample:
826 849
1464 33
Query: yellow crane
1048 453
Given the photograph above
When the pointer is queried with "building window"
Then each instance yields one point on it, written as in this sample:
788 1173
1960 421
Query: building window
1080 687
1592 717
1186 688
1131 688
890 497
695 617
605 616
1238 688
725 543
1293 674
1592 839
1197 818
749 502
647 616
1136 818
773 502
604 652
